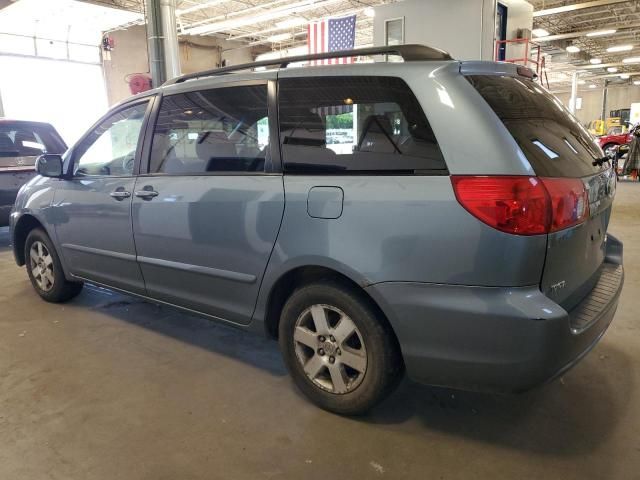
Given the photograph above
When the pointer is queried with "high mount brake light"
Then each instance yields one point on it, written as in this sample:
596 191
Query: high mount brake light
523 205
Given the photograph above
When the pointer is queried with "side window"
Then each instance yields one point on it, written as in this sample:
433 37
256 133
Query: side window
110 149
218 130
355 124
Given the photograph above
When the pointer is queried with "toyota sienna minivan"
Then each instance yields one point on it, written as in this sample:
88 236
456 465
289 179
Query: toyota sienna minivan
444 218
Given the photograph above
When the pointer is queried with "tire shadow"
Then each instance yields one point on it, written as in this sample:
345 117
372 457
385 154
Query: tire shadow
568 417
255 350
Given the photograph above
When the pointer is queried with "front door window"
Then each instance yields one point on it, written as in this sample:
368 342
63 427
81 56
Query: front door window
110 149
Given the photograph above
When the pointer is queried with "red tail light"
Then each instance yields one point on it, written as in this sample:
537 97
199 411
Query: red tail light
569 202
523 205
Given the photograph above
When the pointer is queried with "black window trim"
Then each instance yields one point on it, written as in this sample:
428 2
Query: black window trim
271 167
151 100
433 172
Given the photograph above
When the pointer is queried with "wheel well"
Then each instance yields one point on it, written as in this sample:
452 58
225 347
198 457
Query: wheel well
300 276
20 233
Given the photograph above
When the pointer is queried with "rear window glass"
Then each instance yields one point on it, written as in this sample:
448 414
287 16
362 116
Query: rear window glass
552 139
355 124
28 140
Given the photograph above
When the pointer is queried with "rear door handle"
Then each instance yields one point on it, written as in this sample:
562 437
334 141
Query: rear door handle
120 194
146 194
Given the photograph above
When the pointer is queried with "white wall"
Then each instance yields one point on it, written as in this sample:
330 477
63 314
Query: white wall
464 28
617 97
197 53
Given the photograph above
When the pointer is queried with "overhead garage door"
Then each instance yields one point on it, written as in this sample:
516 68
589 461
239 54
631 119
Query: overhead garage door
69 95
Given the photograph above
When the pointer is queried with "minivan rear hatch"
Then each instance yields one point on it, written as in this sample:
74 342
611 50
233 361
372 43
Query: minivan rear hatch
21 142
558 146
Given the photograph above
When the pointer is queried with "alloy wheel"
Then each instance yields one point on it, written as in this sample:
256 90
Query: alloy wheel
41 266
330 349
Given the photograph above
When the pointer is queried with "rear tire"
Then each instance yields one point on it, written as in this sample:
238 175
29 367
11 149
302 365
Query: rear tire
607 147
45 270
341 354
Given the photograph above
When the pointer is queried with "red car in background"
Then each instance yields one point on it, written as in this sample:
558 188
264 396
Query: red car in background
613 139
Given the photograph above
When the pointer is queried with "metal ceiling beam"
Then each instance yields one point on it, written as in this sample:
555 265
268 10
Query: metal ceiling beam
273 14
574 7
200 6
613 75
563 36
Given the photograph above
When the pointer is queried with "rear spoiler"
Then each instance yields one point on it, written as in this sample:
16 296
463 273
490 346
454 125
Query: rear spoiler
496 68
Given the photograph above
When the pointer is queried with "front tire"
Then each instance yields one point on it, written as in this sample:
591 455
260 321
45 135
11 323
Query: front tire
339 350
45 270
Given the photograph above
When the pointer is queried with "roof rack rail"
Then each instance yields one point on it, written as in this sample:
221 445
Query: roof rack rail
410 53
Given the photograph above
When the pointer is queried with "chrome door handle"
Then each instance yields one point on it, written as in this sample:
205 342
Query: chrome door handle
120 194
146 194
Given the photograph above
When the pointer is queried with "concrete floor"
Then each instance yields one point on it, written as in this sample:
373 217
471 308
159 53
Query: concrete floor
110 387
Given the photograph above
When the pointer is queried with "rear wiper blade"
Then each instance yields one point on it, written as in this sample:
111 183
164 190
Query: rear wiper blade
599 161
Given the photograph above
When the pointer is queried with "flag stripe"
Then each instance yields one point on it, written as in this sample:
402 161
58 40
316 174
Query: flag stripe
331 35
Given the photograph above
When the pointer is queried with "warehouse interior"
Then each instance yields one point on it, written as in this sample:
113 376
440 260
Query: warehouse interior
112 385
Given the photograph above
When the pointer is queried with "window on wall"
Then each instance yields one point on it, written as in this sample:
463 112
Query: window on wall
209 131
355 124
394 31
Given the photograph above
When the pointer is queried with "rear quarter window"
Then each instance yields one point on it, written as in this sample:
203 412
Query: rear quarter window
552 139
355 124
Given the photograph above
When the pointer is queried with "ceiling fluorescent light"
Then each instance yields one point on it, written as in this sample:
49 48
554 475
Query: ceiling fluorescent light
292 22
631 60
620 48
612 69
280 37
572 49
595 61
540 32
272 14
625 76
636 82
592 86
600 33
581 82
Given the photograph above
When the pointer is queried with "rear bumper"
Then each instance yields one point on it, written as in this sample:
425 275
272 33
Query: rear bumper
496 339
10 183
5 211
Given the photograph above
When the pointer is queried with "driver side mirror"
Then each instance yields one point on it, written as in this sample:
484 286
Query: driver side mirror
49 165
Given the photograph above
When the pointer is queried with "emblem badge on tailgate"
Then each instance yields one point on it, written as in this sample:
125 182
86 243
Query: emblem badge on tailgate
556 287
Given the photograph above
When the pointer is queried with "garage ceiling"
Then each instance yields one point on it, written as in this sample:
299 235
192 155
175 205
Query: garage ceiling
261 22
571 22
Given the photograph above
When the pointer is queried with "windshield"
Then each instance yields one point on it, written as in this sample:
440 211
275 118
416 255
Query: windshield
552 139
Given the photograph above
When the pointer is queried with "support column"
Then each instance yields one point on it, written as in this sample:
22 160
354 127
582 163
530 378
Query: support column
155 43
574 92
171 47
605 92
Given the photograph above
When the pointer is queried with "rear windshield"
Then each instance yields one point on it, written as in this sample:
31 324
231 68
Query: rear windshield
552 139
28 140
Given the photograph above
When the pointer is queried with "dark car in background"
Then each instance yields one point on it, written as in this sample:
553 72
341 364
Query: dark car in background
21 142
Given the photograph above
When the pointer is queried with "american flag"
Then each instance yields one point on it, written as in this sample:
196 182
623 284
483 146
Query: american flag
331 35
